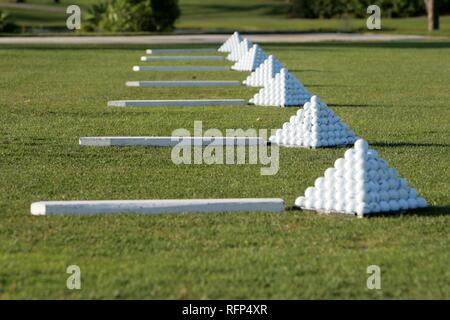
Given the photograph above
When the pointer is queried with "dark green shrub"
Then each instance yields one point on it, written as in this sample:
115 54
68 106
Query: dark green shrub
127 16
165 12
5 24
132 16
356 8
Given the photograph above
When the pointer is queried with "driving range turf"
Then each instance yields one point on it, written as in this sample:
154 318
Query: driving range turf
395 95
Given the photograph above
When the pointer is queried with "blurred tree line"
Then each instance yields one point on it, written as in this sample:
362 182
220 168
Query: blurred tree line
132 16
125 16
357 8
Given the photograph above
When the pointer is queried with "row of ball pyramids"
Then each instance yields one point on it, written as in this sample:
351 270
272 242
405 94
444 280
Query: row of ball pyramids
314 126
359 184
280 87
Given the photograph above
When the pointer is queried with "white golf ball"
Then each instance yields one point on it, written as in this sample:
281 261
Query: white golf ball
403 194
362 209
348 154
384 195
375 196
329 173
403 205
319 183
363 197
328 205
350 207
318 204
403 183
339 206
309 192
315 99
393 173
384 186
421 202
360 155
300 202
393 205
393 194
384 206
412 193
309 204
412 203
374 207
361 144
372 154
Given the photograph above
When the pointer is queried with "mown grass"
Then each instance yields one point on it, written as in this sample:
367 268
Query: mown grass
393 94
230 15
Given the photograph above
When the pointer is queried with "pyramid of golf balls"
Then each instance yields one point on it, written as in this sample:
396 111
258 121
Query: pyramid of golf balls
240 50
231 42
314 126
251 60
282 91
265 72
360 184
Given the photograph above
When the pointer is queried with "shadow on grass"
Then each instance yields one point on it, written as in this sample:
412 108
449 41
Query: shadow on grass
350 105
432 211
328 85
408 144
311 70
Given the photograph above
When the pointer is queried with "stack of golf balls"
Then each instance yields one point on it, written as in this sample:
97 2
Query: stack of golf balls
360 184
232 42
282 91
251 60
314 126
265 72
240 50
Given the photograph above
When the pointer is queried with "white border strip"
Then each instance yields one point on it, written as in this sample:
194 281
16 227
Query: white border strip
176 103
180 58
170 141
152 51
182 83
181 68
156 206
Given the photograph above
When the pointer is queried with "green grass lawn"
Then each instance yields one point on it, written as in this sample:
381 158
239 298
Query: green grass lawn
230 15
395 95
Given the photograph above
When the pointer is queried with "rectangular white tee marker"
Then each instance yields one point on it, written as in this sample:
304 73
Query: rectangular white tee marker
152 51
176 103
181 68
182 83
170 141
156 206
180 58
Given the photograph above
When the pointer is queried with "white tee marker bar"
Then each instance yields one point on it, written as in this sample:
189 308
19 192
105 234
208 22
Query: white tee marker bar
182 83
170 141
152 51
181 58
176 103
181 68
156 206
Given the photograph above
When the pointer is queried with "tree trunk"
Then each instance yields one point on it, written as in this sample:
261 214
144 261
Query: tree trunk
433 14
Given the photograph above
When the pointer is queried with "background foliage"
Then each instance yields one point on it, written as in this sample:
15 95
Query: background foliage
357 8
133 15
